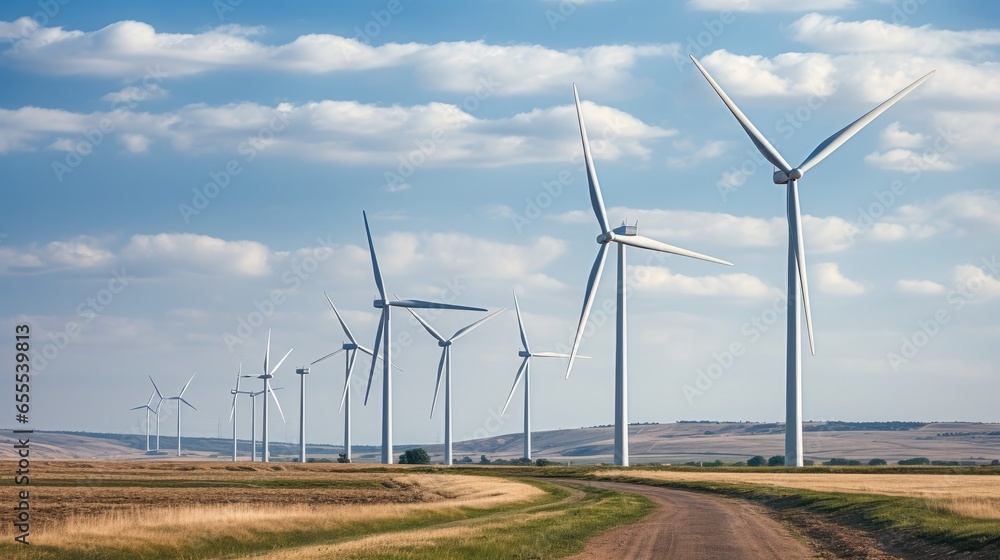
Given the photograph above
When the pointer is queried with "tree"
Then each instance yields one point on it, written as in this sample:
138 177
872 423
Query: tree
465 459
877 462
776 461
842 462
483 460
757 461
415 456
521 461
995 463
544 462
915 461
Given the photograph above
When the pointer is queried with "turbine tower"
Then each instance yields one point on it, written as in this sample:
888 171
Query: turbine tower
345 400
148 410
266 376
180 399
787 175
523 372
384 336
444 366
623 236
302 372
232 413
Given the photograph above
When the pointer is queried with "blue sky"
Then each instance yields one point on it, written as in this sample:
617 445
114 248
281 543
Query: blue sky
219 160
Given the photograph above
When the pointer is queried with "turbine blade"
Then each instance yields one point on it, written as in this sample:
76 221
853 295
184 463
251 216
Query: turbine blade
421 304
372 354
763 146
155 388
281 361
466 330
426 326
517 379
275 397
330 355
138 407
347 381
520 324
556 355
375 268
150 399
378 341
232 410
800 257
588 302
347 331
437 384
647 243
832 143
186 385
596 200
181 399
267 352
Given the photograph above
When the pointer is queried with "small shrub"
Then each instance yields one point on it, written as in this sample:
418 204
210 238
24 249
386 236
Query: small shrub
776 461
521 461
483 460
544 463
915 461
465 459
841 462
342 458
415 456
877 462
757 461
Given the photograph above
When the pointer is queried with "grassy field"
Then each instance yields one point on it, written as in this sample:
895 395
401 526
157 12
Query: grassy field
111 510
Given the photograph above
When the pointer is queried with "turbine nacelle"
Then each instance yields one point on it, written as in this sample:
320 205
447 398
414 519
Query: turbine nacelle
444 343
380 304
782 178
524 354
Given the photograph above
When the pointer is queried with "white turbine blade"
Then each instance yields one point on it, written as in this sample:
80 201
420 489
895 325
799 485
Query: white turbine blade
517 379
421 304
186 385
375 268
181 399
347 382
765 147
378 341
155 388
832 143
466 330
150 399
232 410
557 355
437 384
647 243
520 324
588 302
138 407
267 352
596 200
426 325
281 361
347 331
239 375
275 397
800 260
372 354
330 355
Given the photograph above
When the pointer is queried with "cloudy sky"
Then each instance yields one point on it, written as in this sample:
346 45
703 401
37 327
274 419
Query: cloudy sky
182 179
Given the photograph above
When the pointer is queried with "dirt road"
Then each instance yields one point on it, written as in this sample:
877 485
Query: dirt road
691 525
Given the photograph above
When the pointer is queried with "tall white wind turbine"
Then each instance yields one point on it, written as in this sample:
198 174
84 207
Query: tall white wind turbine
787 175
148 410
267 376
232 413
383 336
156 411
523 372
351 348
180 399
444 366
624 235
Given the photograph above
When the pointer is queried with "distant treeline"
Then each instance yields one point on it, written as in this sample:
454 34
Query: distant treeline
864 427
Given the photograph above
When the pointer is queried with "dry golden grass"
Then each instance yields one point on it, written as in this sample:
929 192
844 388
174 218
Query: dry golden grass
964 495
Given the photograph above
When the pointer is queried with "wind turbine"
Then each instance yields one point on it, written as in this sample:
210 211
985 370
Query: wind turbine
524 369
786 174
345 400
148 410
232 413
156 411
384 336
624 235
180 399
444 366
266 376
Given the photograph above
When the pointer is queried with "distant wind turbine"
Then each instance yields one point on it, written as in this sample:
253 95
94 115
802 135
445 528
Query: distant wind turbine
787 175
267 376
232 413
523 372
444 366
623 236
351 348
384 336
156 411
148 410
180 399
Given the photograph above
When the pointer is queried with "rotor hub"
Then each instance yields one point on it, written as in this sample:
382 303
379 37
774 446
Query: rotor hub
524 354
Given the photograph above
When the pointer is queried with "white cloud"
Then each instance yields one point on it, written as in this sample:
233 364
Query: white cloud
785 75
830 34
920 287
762 6
199 254
693 155
830 280
129 49
82 252
901 159
893 136
660 280
135 143
133 94
976 281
